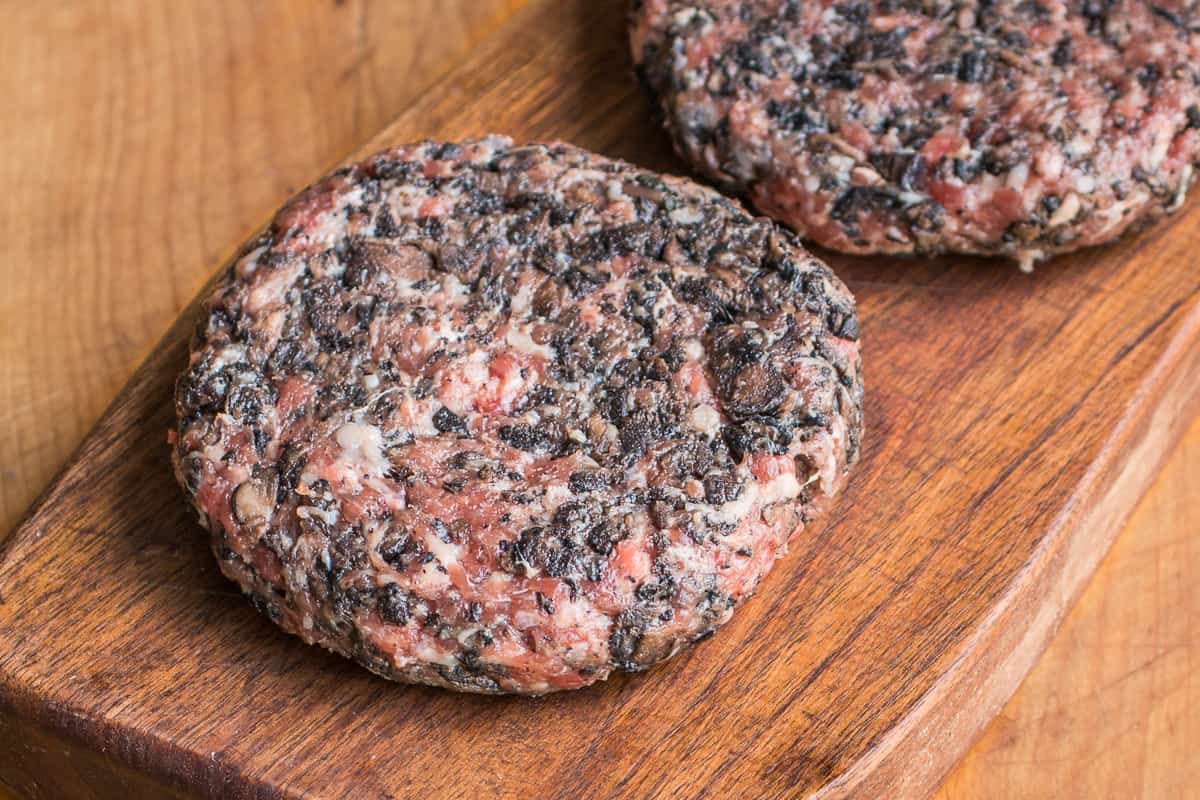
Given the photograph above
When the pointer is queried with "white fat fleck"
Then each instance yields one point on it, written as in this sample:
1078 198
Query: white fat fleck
684 16
354 197
431 580
1158 151
556 495
1077 147
230 354
782 487
662 303
579 615
370 381
865 176
522 300
249 262
800 53
446 331
362 449
410 290
328 228
445 552
688 559
574 176
706 419
686 215
1115 214
452 285
1085 184
1027 258
518 338
1050 164
1185 177
329 517
271 287
430 655
693 349
1017 176
834 443
842 163
237 473
614 190
1067 211
460 393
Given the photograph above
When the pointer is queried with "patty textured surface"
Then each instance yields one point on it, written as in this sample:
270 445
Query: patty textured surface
504 419
1020 128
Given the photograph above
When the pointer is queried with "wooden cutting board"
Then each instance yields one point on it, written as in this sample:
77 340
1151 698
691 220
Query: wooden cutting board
1013 421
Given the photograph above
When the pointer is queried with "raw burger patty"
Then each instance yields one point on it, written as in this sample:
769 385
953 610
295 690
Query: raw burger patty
1009 128
504 419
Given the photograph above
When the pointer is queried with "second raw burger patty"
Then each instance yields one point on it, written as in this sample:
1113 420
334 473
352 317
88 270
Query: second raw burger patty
503 419
1007 128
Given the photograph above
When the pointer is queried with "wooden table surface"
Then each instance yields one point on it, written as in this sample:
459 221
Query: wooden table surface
139 140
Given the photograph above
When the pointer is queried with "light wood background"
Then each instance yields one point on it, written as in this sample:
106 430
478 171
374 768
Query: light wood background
139 140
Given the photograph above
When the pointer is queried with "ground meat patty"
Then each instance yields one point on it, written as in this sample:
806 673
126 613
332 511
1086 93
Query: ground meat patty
503 419
1016 127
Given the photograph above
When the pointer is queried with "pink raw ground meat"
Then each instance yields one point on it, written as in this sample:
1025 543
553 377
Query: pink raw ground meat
1020 128
504 419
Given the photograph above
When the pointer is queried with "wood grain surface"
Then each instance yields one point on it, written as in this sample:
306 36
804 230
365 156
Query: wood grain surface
141 139
1112 710
57 374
